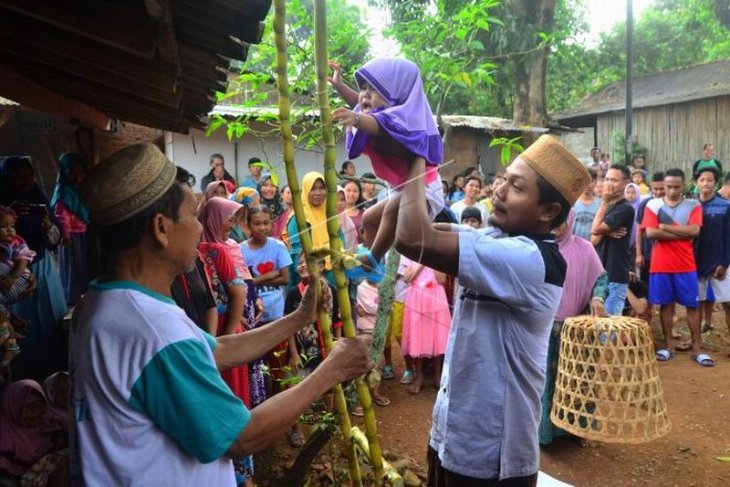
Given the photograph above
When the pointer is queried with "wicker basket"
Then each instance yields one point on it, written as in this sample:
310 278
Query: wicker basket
608 386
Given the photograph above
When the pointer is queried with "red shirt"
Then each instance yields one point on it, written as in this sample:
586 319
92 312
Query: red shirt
672 256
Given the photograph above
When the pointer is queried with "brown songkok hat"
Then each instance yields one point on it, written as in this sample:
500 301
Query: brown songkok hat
551 160
126 183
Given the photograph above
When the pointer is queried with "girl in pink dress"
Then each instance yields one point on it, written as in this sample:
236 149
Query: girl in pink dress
426 320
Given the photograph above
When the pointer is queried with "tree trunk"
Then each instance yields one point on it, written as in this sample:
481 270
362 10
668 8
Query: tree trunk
529 105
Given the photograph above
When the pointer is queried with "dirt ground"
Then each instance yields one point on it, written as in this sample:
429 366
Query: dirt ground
698 401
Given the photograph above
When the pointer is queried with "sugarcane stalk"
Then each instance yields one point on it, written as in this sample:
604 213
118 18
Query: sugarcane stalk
333 226
306 239
391 474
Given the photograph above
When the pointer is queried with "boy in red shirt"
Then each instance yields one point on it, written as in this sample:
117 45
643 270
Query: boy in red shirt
674 222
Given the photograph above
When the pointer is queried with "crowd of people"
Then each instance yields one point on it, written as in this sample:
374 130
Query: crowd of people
199 341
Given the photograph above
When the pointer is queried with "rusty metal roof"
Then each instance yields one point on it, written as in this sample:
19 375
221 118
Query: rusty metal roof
679 85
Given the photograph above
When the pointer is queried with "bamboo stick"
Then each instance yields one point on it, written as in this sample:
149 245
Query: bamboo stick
291 174
391 474
333 226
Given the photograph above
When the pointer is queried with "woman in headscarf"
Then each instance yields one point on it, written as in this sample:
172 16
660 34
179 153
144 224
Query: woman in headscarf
227 279
45 307
216 188
248 197
271 199
234 290
72 217
585 281
56 388
314 194
24 439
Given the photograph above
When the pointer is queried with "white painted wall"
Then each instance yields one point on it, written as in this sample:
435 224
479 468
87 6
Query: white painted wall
192 151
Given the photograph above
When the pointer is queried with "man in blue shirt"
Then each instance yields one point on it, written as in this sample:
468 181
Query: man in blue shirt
487 413
712 248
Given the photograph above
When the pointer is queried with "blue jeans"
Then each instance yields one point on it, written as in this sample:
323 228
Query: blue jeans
616 298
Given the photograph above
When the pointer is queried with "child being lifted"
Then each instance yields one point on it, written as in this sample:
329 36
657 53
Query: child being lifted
391 122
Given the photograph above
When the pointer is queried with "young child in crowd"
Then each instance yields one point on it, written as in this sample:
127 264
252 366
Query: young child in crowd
367 309
472 217
638 177
391 122
268 261
15 279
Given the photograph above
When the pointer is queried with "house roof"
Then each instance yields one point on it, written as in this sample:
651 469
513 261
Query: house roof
6 102
151 62
489 124
679 85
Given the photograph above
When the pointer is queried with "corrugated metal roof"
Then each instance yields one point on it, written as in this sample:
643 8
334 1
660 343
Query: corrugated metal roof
6 102
674 86
489 124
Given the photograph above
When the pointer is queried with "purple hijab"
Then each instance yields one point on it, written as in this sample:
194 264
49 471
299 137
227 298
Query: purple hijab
407 118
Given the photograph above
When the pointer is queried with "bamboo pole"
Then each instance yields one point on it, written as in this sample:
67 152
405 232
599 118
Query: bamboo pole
333 227
391 474
291 174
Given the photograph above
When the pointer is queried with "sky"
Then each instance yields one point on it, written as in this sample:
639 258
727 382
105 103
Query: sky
602 15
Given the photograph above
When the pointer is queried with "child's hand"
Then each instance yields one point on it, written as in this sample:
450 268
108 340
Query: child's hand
344 117
336 79
295 363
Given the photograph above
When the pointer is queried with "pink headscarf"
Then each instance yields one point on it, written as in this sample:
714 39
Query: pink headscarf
27 444
208 193
584 267
214 215
56 410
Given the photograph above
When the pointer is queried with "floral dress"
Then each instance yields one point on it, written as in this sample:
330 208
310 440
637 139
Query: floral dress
222 272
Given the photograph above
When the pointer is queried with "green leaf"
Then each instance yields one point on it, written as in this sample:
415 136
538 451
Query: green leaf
724 459
466 79
229 132
476 45
215 123
461 33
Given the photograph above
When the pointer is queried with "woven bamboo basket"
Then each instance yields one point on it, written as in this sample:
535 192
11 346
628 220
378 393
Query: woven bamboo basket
608 386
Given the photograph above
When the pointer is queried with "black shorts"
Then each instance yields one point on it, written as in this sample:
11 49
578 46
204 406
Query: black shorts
438 476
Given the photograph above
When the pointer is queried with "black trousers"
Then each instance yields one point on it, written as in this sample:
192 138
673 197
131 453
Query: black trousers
438 476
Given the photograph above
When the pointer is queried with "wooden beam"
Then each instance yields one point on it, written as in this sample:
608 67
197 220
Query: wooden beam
159 74
31 94
122 25
16 51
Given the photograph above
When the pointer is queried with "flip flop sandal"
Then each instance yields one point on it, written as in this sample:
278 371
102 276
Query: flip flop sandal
408 377
664 355
296 440
358 412
381 401
388 372
683 347
707 327
704 360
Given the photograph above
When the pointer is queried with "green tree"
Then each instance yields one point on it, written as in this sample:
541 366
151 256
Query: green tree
252 93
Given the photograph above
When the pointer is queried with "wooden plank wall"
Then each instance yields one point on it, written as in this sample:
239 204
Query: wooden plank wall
673 134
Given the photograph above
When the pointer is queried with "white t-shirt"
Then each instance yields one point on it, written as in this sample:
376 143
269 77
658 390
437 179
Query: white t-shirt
149 405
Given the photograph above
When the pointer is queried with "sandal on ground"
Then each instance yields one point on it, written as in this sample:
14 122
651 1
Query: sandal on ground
381 401
358 412
296 440
664 355
408 377
388 372
704 360
706 327
375 274
683 347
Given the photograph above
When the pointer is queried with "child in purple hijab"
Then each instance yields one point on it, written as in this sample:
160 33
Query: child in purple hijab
392 124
